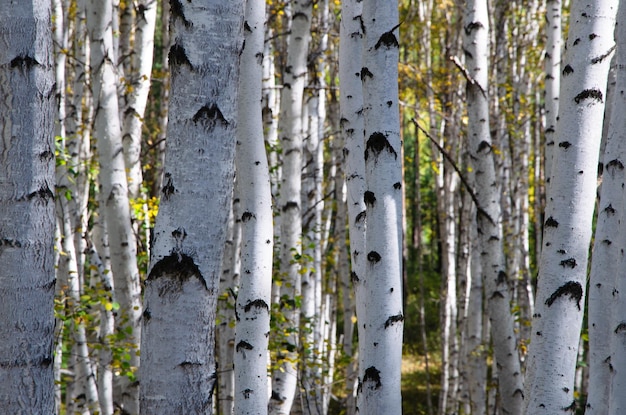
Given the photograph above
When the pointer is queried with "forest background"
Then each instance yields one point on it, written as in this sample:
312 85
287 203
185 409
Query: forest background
126 52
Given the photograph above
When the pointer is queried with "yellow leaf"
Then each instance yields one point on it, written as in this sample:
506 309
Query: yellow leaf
108 306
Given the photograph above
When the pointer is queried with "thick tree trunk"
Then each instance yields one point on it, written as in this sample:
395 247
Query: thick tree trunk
569 209
178 373
380 347
27 217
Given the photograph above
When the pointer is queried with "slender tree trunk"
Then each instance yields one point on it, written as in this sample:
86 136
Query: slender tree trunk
284 380
489 216
569 210
380 347
352 130
27 216
139 80
113 191
254 296
606 287
553 78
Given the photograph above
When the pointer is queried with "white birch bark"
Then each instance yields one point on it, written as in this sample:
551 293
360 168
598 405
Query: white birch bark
27 217
352 129
284 380
606 260
139 79
607 292
380 348
113 187
178 372
552 68
225 330
570 204
489 216
254 295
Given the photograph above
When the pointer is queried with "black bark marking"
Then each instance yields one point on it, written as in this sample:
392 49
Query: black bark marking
593 93
496 294
483 145
562 251
46 155
600 58
361 216
243 345
23 62
565 144
247 216
12 243
246 393
276 397
246 27
571 288
389 103
354 277
169 188
502 278
377 142
393 319
519 392
369 198
620 327
610 210
177 267
592 36
551 223
388 40
44 193
366 73
177 12
210 115
373 256
147 315
571 408
568 70
568 263
258 303
576 41
473 26
290 205
372 375
616 164
300 15
178 57
179 234
397 185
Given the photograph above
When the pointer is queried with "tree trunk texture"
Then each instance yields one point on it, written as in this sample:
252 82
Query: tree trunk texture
570 204
179 371
380 347
489 215
285 379
27 218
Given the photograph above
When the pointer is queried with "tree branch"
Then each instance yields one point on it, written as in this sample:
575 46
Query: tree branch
467 75
456 168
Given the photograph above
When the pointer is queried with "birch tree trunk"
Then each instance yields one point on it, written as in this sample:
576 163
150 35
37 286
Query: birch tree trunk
553 78
284 380
489 216
113 196
380 347
255 290
604 309
352 129
27 216
609 288
139 80
569 209
178 372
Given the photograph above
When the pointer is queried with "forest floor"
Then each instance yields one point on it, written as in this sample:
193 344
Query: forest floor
414 384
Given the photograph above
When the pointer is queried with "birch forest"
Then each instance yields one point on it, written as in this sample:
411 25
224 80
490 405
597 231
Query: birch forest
312 207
